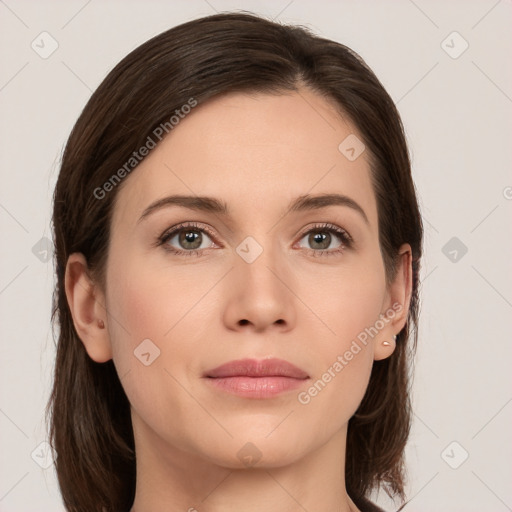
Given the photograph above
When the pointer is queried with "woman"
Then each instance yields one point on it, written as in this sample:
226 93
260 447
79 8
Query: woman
238 246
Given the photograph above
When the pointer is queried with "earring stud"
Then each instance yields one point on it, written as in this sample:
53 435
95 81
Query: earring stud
101 324
386 343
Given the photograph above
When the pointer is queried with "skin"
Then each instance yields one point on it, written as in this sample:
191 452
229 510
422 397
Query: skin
257 153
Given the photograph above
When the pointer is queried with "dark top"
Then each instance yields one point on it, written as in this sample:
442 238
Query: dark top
365 505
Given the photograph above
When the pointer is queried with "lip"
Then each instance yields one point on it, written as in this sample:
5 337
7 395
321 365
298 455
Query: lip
253 378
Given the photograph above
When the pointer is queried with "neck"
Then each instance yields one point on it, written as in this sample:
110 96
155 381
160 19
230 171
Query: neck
171 479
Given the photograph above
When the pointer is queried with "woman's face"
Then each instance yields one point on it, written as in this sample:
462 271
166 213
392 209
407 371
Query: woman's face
260 280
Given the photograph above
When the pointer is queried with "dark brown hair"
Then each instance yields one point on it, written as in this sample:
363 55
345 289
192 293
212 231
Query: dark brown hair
88 411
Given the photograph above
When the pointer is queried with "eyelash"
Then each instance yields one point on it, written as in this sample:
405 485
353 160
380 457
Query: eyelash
192 226
345 239
343 236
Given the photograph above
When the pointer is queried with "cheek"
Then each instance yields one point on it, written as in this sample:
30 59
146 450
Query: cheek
344 362
347 300
335 393
149 301
137 313
350 304
153 322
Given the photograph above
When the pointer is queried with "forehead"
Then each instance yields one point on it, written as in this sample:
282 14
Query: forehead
252 150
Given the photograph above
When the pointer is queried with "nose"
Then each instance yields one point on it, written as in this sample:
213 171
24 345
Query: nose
259 295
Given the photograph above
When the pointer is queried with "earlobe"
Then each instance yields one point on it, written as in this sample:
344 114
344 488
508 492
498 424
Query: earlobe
396 306
385 349
87 306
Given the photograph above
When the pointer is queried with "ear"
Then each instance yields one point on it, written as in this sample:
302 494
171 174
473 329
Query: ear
395 306
87 304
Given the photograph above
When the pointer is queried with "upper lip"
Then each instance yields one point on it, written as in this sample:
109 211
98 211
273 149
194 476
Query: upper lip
257 368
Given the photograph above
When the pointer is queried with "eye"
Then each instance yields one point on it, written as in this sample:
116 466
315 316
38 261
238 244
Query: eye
326 239
186 239
192 239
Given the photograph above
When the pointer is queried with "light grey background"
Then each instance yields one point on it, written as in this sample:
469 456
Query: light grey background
457 113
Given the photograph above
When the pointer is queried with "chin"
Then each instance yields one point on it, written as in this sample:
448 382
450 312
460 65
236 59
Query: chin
256 451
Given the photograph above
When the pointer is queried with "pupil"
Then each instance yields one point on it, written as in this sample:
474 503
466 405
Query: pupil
321 238
190 237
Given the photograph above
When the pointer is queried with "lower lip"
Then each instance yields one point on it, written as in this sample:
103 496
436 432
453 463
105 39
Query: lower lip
256 387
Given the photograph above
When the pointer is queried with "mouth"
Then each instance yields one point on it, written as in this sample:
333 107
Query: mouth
253 378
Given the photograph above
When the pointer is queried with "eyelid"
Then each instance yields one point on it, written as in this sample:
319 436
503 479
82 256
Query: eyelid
344 236
170 232
327 226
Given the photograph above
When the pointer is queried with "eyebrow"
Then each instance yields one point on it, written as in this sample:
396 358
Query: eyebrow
213 205
315 202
